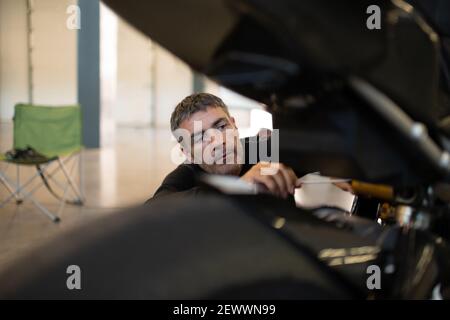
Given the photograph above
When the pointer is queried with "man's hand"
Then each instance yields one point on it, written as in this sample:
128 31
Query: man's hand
281 183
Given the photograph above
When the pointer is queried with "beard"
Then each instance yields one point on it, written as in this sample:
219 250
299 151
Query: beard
223 169
227 162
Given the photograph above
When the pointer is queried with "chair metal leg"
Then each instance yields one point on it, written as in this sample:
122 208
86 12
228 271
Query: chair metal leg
44 210
68 175
9 188
65 189
49 176
20 193
18 189
19 200
63 200
70 180
81 174
25 194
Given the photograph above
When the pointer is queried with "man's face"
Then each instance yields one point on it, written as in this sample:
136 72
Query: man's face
214 140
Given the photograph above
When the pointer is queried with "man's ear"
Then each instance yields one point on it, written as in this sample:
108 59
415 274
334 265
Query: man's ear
233 122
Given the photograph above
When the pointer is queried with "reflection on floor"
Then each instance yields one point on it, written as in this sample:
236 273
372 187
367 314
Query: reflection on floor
125 174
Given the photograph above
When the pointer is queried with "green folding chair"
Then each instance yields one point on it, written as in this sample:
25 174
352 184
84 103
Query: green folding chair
48 138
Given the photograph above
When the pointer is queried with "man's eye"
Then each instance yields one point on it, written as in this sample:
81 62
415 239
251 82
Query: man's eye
222 126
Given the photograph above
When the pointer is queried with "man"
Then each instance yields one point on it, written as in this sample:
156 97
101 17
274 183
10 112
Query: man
209 139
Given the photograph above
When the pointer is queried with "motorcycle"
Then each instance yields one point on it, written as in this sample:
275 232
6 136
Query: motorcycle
370 104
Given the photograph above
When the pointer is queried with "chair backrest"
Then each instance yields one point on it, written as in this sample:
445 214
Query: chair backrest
52 131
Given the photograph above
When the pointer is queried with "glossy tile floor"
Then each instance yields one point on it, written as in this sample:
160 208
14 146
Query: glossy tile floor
124 174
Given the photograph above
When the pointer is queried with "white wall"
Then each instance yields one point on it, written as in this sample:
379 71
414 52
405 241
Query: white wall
108 75
134 81
140 97
150 80
13 56
53 57
173 83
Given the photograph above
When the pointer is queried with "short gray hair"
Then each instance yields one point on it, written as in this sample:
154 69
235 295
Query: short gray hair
192 104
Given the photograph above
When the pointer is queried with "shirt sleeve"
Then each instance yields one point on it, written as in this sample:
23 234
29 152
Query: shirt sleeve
182 179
